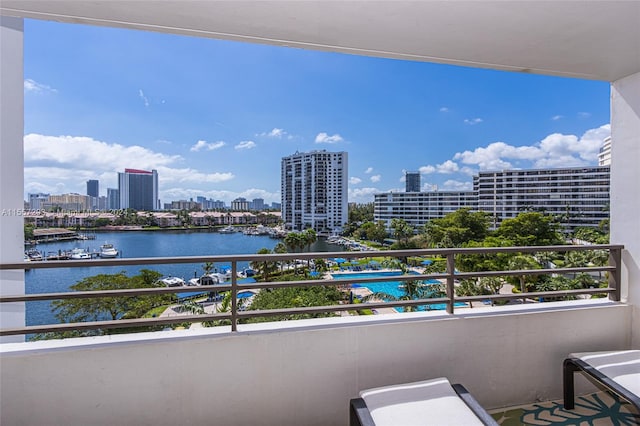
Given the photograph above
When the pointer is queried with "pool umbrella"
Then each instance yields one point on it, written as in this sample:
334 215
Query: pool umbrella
427 262
339 260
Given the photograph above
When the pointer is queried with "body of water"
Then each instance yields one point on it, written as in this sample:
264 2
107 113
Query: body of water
142 244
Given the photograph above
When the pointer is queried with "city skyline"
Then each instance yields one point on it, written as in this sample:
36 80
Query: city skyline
215 117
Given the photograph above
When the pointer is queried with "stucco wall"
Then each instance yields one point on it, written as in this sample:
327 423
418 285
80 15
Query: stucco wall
304 374
625 178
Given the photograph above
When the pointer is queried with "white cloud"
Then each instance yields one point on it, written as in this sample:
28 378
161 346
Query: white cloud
60 164
354 180
447 167
245 145
209 146
555 150
35 87
325 138
275 133
444 109
362 195
425 170
369 170
375 178
556 117
472 121
584 114
143 97
455 185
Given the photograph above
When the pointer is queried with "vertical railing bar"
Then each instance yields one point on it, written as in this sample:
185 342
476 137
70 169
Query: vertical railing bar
615 259
451 268
234 295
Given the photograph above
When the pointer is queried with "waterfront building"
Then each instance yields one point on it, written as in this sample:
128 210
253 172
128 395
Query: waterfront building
93 188
138 190
418 208
576 196
604 156
314 191
113 199
183 205
412 181
257 204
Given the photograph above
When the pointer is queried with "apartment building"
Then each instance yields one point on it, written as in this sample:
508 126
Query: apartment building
314 191
418 208
576 196
138 189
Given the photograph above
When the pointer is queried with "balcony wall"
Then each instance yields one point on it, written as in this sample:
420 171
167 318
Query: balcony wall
300 372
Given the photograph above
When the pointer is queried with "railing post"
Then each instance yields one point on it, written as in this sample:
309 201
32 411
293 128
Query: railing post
615 260
451 269
234 296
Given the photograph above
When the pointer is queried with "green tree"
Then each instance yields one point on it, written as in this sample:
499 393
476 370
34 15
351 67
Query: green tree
264 268
524 262
110 308
530 229
457 228
290 297
402 231
28 232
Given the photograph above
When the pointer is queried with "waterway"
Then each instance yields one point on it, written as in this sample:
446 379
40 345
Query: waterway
142 244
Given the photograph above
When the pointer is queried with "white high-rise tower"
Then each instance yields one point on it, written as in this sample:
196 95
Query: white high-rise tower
314 191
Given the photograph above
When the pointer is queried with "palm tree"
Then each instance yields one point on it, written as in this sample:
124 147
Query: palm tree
264 268
523 262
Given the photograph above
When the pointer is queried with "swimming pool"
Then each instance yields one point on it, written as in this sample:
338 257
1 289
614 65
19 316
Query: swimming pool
390 287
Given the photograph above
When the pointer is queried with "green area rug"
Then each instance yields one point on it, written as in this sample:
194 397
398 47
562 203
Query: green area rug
598 409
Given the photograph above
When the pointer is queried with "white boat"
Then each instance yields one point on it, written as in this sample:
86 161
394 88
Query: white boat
108 251
172 281
209 279
227 230
79 253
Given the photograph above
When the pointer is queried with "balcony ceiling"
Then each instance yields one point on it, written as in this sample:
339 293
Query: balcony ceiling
585 39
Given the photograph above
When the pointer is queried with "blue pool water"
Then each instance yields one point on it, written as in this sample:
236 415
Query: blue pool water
389 287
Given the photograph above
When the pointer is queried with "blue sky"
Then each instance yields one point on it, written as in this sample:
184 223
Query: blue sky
215 117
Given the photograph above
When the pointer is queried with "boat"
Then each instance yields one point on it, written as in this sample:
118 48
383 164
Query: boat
108 251
227 230
79 253
172 281
209 279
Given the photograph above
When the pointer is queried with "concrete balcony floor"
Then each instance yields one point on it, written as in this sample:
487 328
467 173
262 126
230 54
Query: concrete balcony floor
593 409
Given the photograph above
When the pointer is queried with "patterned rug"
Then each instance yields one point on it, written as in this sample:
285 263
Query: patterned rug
597 409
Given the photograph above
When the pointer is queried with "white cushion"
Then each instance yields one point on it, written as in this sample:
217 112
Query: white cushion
430 402
621 366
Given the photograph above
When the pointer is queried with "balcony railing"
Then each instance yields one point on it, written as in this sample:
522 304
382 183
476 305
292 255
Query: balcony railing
451 276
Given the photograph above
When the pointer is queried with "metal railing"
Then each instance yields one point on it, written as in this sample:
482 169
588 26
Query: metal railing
450 277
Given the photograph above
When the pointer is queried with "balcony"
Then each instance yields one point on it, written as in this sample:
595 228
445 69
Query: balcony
305 371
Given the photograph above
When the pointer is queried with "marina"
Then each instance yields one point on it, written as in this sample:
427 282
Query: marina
138 244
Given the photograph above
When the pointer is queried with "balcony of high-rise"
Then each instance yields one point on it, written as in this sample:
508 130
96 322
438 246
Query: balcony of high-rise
304 372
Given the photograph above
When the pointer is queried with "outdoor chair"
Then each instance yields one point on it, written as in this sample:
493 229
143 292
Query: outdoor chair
618 371
429 402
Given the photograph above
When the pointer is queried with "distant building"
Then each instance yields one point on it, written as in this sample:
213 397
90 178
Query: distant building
314 191
240 204
113 199
68 202
418 208
276 206
182 205
604 156
412 181
138 190
36 200
93 188
257 204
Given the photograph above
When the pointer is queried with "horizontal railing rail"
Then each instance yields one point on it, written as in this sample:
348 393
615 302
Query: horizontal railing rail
449 278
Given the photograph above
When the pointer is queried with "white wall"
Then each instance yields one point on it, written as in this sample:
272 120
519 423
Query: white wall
11 169
625 178
302 375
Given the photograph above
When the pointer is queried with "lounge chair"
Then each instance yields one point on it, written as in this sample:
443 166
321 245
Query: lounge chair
618 371
430 402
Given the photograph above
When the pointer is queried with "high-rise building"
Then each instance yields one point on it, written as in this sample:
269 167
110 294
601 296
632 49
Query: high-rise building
604 156
412 181
138 190
113 199
257 204
240 204
93 188
314 191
